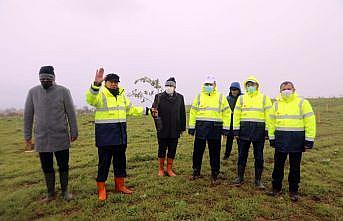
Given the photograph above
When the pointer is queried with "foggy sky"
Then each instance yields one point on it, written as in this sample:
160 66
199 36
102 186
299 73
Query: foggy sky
296 40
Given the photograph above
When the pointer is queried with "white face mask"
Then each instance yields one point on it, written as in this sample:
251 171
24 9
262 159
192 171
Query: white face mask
286 93
170 90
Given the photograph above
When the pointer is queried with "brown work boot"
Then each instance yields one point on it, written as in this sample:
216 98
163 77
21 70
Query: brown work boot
161 166
169 167
120 186
101 190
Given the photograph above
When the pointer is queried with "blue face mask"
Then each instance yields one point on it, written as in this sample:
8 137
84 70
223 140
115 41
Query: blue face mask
208 88
251 89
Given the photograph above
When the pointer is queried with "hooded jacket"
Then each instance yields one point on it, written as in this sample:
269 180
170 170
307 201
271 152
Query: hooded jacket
252 114
232 102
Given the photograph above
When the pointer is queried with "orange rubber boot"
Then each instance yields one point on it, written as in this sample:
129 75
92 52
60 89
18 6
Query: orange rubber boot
120 186
101 190
169 167
161 167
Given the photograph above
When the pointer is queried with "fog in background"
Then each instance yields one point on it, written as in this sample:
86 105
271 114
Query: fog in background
300 41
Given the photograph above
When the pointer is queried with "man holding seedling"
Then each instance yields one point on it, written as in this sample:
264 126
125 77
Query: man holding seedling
169 106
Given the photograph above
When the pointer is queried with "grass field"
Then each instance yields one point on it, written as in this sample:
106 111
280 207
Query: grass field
155 198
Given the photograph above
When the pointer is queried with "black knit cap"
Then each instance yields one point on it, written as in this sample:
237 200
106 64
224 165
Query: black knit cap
171 82
47 70
112 77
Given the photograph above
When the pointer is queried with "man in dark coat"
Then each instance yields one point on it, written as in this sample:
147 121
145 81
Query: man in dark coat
235 91
169 106
51 107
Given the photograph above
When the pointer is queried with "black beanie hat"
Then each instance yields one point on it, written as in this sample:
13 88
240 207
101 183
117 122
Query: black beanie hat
47 72
171 82
112 77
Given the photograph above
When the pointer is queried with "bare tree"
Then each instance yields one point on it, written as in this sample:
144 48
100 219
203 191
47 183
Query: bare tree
146 89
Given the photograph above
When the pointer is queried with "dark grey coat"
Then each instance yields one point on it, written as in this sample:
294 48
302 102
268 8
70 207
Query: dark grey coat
51 111
172 111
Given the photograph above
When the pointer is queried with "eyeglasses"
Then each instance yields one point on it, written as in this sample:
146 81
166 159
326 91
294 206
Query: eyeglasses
208 84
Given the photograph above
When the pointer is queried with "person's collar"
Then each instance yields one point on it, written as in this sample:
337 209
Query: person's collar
253 93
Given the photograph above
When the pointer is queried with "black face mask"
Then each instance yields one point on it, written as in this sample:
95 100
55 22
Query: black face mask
114 92
46 84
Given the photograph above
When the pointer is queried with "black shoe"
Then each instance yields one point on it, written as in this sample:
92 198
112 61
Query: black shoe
194 177
214 181
294 197
259 185
274 193
67 196
50 197
238 181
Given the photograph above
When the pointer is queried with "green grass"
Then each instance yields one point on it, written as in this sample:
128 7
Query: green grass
22 184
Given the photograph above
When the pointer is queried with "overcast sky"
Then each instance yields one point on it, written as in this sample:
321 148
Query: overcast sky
297 40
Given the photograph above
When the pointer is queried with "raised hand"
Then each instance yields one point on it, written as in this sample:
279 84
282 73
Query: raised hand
99 76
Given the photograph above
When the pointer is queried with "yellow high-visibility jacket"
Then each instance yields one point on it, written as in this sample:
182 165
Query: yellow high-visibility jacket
252 114
293 124
108 108
110 115
211 107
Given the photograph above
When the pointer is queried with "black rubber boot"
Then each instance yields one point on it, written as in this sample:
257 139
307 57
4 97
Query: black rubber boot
240 176
64 186
50 184
258 182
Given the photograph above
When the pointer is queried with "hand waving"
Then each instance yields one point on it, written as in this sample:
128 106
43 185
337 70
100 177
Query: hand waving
99 76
